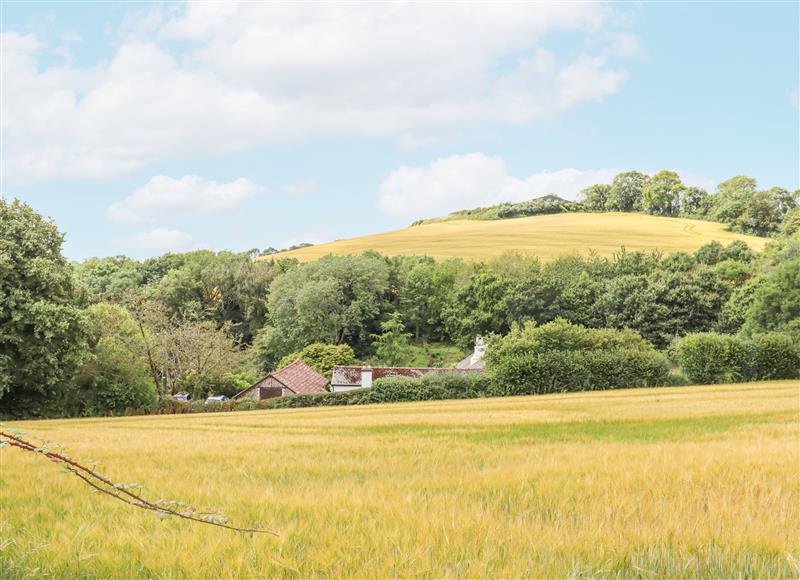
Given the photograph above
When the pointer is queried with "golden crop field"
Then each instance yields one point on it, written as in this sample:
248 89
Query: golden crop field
547 236
673 481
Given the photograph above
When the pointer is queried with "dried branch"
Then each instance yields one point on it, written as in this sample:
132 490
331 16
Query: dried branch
122 492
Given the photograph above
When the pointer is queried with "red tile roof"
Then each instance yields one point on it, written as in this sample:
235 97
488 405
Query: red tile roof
300 378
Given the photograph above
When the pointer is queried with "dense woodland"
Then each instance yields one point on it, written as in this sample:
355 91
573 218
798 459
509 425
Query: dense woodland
112 334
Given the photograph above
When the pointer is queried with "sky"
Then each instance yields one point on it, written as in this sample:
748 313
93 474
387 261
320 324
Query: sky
142 128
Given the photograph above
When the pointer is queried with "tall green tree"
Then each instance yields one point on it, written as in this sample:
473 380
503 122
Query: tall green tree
116 375
595 197
662 194
336 299
392 345
43 328
730 200
694 201
776 302
626 193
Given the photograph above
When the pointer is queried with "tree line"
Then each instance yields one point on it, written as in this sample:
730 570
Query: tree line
114 333
737 202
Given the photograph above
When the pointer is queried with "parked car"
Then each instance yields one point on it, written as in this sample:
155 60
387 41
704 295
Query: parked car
185 397
216 399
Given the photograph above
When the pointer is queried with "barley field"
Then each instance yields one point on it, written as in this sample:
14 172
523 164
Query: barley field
681 482
547 236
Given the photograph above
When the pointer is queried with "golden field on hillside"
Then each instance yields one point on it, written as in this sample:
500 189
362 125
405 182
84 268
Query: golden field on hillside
547 236
671 481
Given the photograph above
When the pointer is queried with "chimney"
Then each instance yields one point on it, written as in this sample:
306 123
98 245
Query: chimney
366 377
480 350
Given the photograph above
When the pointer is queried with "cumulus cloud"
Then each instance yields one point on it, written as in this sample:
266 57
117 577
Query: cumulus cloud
159 240
465 181
164 199
218 78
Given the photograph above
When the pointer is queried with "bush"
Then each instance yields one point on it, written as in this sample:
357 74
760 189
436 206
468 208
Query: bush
775 356
430 387
709 357
560 356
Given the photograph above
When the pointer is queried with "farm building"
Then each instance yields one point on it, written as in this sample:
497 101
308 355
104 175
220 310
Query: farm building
347 378
296 379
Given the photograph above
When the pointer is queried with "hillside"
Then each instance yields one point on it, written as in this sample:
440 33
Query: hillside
547 236
677 482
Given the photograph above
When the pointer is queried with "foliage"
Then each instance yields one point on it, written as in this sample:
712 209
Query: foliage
116 375
662 194
595 197
776 302
43 328
477 308
730 200
228 384
392 345
775 356
548 204
709 357
627 192
333 300
561 356
321 357
185 354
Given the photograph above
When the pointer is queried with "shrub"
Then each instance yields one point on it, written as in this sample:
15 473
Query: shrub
775 356
560 356
429 387
709 357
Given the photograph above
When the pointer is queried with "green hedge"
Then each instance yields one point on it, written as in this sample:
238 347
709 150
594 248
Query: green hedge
775 356
561 356
709 357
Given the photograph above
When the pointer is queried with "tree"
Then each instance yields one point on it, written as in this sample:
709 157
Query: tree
626 192
109 278
321 357
336 299
662 194
478 308
791 223
225 287
184 353
730 200
694 201
776 303
43 328
765 212
116 375
391 345
595 197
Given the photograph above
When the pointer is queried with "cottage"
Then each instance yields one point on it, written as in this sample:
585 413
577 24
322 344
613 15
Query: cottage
296 379
475 360
347 378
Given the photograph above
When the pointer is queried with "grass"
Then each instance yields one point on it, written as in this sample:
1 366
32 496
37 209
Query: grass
547 236
681 482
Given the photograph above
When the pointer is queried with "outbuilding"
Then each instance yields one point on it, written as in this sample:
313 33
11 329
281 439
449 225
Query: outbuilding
296 379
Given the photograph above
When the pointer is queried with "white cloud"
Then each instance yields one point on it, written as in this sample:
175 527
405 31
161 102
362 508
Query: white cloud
164 199
300 187
473 180
158 240
251 74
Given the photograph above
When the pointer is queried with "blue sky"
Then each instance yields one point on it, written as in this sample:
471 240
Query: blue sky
143 128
